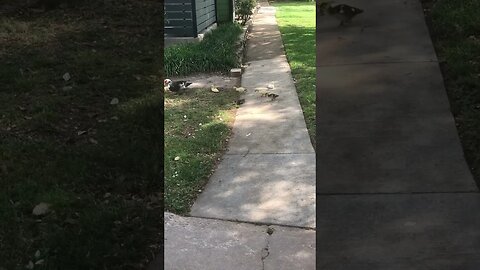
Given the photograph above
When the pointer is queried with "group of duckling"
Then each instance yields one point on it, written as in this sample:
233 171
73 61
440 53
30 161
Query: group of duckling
181 86
264 91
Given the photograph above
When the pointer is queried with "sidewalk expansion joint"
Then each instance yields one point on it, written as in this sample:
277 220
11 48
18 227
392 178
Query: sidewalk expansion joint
397 193
257 223
273 153
266 250
377 63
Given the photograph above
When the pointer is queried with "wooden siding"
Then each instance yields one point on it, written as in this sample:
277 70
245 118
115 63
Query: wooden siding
206 14
179 21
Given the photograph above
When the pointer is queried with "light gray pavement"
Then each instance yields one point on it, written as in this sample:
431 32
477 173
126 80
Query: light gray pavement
199 243
393 188
290 248
265 180
264 188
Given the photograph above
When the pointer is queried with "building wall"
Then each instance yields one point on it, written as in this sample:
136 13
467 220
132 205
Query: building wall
178 18
206 14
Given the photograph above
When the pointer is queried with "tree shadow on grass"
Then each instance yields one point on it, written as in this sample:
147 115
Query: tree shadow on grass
62 142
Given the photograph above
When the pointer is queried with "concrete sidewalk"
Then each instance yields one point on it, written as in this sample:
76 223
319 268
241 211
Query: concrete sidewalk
210 244
258 210
394 189
268 174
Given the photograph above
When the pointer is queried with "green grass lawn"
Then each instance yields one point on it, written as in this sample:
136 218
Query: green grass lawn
297 25
455 27
62 142
217 52
197 125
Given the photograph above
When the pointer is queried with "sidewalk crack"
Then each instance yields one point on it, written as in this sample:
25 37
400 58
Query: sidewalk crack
266 249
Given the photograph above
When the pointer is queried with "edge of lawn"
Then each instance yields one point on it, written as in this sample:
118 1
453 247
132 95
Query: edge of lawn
454 30
303 72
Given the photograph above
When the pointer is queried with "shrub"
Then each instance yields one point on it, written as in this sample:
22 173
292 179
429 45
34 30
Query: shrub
243 9
216 52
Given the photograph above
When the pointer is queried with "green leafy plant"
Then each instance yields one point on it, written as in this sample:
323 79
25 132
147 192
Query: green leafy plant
216 52
244 9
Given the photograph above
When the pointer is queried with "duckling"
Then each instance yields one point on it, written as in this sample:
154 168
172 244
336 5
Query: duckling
261 90
240 89
344 13
175 86
272 96
240 101
214 89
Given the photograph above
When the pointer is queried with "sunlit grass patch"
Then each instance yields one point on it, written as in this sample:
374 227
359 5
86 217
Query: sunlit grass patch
197 125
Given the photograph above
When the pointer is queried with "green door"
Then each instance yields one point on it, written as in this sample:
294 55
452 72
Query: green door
224 11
